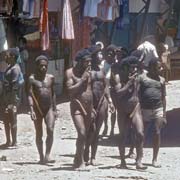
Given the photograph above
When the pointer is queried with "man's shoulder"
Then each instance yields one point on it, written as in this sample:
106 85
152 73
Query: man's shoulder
49 75
69 72
143 75
31 78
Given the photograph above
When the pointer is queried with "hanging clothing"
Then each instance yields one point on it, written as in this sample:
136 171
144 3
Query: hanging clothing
90 8
82 29
6 6
44 26
3 40
32 8
67 23
37 5
108 10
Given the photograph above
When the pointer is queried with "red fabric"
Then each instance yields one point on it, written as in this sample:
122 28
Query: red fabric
44 26
82 30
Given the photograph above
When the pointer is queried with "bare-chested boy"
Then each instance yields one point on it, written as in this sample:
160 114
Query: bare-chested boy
42 106
78 82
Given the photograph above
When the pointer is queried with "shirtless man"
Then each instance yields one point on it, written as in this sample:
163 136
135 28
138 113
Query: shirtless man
42 103
78 82
128 107
101 99
120 54
106 65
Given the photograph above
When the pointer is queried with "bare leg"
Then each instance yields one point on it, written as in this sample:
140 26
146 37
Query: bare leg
105 126
113 121
139 128
7 128
50 121
156 145
123 127
101 116
39 141
131 153
81 139
13 119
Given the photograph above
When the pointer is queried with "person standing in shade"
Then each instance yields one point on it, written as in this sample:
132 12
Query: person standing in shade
10 96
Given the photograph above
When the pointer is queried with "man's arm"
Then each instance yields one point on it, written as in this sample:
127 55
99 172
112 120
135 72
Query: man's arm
53 94
121 91
164 98
72 88
30 98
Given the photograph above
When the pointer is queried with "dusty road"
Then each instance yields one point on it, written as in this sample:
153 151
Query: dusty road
21 163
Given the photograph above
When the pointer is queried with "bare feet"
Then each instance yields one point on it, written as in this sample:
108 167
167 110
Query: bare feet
80 167
111 133
48 160
123 165
131 156
105 131
8 144
155 164
93 162
140 166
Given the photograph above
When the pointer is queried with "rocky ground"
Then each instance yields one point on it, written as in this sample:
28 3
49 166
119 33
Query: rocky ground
21 163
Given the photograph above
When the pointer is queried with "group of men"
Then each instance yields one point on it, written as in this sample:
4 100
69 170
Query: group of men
115 80
120 82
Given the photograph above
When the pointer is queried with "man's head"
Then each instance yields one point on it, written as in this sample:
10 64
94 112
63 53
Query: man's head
12 55
130 65
22 42
110 54
83 58
96 54
41 64
154 66
121 53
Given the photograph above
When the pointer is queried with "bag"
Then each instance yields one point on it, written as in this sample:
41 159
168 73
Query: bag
21 79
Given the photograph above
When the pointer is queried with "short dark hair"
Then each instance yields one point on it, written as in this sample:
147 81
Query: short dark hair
111 47
23 39
40 58
14 52
82 54
153 61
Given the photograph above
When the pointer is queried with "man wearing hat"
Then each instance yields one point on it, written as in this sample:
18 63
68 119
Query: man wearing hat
78 83
42 103
128 107
101 100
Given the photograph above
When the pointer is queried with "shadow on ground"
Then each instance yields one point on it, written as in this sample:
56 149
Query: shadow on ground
170 133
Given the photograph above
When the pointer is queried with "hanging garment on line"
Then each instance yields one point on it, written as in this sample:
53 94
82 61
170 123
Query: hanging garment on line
108 10
44 26
3 40
90 8
67 23
6 6
31 7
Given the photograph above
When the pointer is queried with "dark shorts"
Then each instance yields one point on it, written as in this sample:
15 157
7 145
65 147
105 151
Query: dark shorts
154 118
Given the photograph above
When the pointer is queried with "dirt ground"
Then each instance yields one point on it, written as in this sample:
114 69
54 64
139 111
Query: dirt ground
21 163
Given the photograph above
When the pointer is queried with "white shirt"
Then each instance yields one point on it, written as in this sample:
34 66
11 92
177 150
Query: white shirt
149 50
